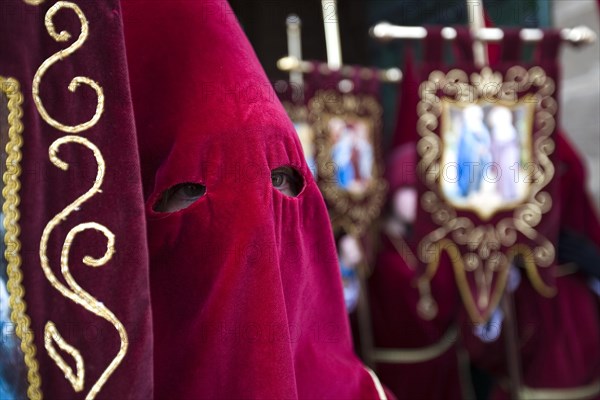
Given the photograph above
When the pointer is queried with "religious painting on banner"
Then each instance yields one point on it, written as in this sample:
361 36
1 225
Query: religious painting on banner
486 157
486 171
345 115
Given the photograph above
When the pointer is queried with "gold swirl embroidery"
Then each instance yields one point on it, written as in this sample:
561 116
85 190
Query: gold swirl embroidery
11 88
74 292
529 262
34 2
52 336
61 55
483 280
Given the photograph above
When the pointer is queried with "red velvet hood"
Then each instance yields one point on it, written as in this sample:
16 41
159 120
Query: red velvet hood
246 292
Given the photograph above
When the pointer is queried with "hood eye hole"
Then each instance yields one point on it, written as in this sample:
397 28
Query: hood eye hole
179 197
287 180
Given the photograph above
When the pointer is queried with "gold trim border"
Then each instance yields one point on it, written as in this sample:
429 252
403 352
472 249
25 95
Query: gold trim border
11 88
62 55
74 292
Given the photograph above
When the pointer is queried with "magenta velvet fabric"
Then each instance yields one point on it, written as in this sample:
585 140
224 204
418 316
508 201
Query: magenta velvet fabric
246 291
122 284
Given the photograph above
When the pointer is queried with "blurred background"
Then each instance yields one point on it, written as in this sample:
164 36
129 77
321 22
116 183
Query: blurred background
264 23
580 96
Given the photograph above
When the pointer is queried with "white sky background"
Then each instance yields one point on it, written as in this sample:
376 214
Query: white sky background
580 88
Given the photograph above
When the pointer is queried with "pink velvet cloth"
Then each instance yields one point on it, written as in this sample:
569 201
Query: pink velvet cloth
246 291
394 298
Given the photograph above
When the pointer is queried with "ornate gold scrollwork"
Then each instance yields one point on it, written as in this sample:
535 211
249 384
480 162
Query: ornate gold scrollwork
351 211
61 55
483 242
51 336
73 291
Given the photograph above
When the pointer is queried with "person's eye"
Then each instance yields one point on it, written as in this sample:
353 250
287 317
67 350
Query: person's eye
179 197
279 180
287 180
190 192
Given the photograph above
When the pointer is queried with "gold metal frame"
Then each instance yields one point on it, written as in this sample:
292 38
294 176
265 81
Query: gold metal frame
352 212
491 247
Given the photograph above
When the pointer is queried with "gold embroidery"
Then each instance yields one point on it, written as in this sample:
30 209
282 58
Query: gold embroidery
74 292
417 355
34 2
352 212
483 280
11 88
61 55
52 336
485 258
588 392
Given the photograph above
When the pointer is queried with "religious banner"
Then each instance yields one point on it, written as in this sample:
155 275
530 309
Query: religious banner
75 318
486 169
346 116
